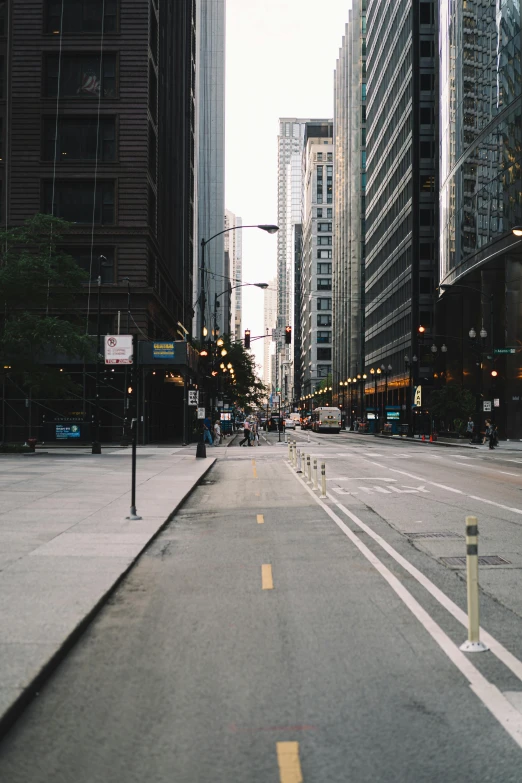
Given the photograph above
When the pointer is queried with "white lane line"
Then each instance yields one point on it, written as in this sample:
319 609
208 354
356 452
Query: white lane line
508 474
489 694
364 478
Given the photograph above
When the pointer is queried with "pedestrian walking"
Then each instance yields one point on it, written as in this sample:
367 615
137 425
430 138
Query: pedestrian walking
488 434
470 428
255 432
207 428
246 433
217 433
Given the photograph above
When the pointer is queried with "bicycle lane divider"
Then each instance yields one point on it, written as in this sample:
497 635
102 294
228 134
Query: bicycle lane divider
289 763
254 469
492 698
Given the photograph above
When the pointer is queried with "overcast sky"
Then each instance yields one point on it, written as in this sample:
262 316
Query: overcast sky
280 62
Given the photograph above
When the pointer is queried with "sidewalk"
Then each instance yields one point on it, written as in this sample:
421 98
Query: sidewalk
65 544
463 443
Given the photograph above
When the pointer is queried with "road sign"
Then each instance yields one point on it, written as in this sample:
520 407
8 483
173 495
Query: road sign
496 402
417 400
193 398
504 350
118 349
486 406
201 413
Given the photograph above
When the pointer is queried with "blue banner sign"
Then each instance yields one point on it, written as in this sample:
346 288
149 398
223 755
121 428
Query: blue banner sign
67 431
163 351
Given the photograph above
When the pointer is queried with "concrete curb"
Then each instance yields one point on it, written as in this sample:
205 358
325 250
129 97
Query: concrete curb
22 701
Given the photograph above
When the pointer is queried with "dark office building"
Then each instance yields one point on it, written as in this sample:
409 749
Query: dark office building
401 189
98 118
296 336
481 185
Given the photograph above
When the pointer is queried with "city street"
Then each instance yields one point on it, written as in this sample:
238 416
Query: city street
269 635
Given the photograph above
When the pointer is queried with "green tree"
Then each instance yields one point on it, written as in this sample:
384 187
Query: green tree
37 286
452 404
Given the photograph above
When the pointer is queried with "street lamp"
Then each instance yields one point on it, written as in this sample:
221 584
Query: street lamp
409 367
517 231
386 370
269 228
96 444
376 373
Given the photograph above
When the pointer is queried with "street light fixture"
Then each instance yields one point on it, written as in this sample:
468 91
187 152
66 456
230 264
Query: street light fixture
517 231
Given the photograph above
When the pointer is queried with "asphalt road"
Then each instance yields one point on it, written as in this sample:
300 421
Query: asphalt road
268 636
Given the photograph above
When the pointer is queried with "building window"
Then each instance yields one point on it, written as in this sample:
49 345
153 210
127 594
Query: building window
323 371
324 284
324 254
425 217
82 76
363 159
363 137
77 202
324 319
427 149
329 156
324 337
77 139
324 269
426 251
427 48
83 256
363 91
426 15
152 209
427 82
2 17
329 212
427 183
324 226
324 304
324 354
426 115
319 156
324 240
426 285
82 16
319 213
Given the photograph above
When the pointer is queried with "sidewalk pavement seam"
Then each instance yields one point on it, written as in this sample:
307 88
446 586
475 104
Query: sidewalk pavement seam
24 695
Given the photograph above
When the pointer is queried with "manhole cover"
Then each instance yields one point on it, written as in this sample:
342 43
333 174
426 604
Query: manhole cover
441 534
491 560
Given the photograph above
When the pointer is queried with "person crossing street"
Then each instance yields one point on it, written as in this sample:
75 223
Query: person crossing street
246 433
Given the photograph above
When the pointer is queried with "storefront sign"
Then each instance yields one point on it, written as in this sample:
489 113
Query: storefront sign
163 351
67 431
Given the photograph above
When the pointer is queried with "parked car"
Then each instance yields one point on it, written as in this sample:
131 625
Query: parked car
289 424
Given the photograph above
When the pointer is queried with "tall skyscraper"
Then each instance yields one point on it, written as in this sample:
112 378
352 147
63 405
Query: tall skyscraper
349 194
316 266
269 323
401 199
234 247
290 142
480 203
211 157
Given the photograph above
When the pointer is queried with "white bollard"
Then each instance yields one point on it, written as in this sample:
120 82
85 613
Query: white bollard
286 437
289 450
298 466
308 470
308 437
323 481
293 456
473 643
315 487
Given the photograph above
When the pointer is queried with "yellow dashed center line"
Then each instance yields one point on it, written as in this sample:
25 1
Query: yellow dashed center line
260 519
289 764
267 581
254 469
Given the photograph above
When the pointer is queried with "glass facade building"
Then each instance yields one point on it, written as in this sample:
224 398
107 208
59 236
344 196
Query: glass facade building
480 201
349 187
401 189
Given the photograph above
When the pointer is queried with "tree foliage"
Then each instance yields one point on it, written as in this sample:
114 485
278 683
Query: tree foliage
248 391
452 403
37 285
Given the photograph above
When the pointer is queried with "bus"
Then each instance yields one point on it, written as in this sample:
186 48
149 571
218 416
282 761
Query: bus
326 420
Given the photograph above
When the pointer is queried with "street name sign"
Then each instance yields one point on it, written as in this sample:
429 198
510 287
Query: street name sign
118 349
504 350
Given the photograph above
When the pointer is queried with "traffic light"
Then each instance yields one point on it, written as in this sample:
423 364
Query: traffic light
421 329
288 335
494 373
247 338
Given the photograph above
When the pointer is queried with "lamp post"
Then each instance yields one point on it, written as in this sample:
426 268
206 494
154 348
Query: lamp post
409 367
478 350
343 384
96 445
263 287
386 371
270 229
375 373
